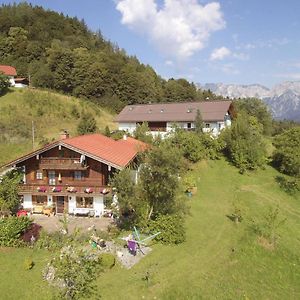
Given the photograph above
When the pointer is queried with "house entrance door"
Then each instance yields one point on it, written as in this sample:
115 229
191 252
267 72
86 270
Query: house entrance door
60 204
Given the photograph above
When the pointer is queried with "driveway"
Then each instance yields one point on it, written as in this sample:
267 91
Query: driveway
52 223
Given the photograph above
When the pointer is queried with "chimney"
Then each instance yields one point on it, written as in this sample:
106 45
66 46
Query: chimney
64 135
125 137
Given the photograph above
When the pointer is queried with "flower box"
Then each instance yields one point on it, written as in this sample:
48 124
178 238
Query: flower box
71 189
41 189
56 189
88 190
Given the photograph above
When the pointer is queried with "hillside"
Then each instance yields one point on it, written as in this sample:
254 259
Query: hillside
219 260
63 54
283 99
50 112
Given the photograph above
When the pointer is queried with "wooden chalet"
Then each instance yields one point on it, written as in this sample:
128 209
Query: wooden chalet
72 174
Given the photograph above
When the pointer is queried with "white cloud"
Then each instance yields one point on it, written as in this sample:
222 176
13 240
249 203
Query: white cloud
220 53
178 28
169 63
241 56
230 69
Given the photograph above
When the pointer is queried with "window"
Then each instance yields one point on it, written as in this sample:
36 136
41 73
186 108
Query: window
51 175
84 202
189 125
78 175
39 200
207 125
39 174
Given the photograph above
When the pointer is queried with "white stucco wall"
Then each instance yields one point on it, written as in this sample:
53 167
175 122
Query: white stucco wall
129 127
72 203
27 201
98 206
214 129
49 200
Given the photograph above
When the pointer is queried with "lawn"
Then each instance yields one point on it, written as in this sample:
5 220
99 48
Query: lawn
18 283
219 260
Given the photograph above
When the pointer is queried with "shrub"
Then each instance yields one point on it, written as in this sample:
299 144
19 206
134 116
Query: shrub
72 272
28 263
50 241
32 233
107 260
287 154
245 146
268 228
291 186
11 229
171 228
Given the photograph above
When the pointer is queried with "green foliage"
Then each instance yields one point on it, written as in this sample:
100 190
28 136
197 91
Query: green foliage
171 227
50 241
11 229
4 84
141 133
87 124
245 146
61 53
28 263
199 123
9 198
107 260
107 131
287 154
258 109
291 186
197 146
268 228
158 181
279 127
190 145
75 271
127 198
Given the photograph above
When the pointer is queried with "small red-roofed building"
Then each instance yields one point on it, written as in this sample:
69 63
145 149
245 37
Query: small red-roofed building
72 174
10 72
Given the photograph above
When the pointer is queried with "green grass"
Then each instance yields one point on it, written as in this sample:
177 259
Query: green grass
18 283
51 112
219 260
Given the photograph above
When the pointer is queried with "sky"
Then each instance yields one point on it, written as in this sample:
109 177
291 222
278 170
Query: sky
228 41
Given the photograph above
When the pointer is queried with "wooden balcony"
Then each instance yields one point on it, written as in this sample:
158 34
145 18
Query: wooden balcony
63 190
57 163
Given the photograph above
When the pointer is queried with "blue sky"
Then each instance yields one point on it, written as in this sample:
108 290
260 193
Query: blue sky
229 41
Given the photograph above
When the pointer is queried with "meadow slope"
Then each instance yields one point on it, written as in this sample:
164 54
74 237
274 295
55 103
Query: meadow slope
50 112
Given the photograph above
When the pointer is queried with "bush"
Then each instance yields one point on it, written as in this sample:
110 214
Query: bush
28 264
11 229
171 228
50 241
291 186
287 154
32 233
244 142
107 260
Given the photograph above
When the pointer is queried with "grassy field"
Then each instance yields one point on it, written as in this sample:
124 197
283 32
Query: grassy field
18 283
219 260
50 112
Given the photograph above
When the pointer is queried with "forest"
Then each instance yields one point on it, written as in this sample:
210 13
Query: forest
60 53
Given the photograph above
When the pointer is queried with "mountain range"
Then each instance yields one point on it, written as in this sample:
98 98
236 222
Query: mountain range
283 99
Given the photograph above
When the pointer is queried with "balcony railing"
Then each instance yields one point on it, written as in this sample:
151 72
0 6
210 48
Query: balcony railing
65 190
57 163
